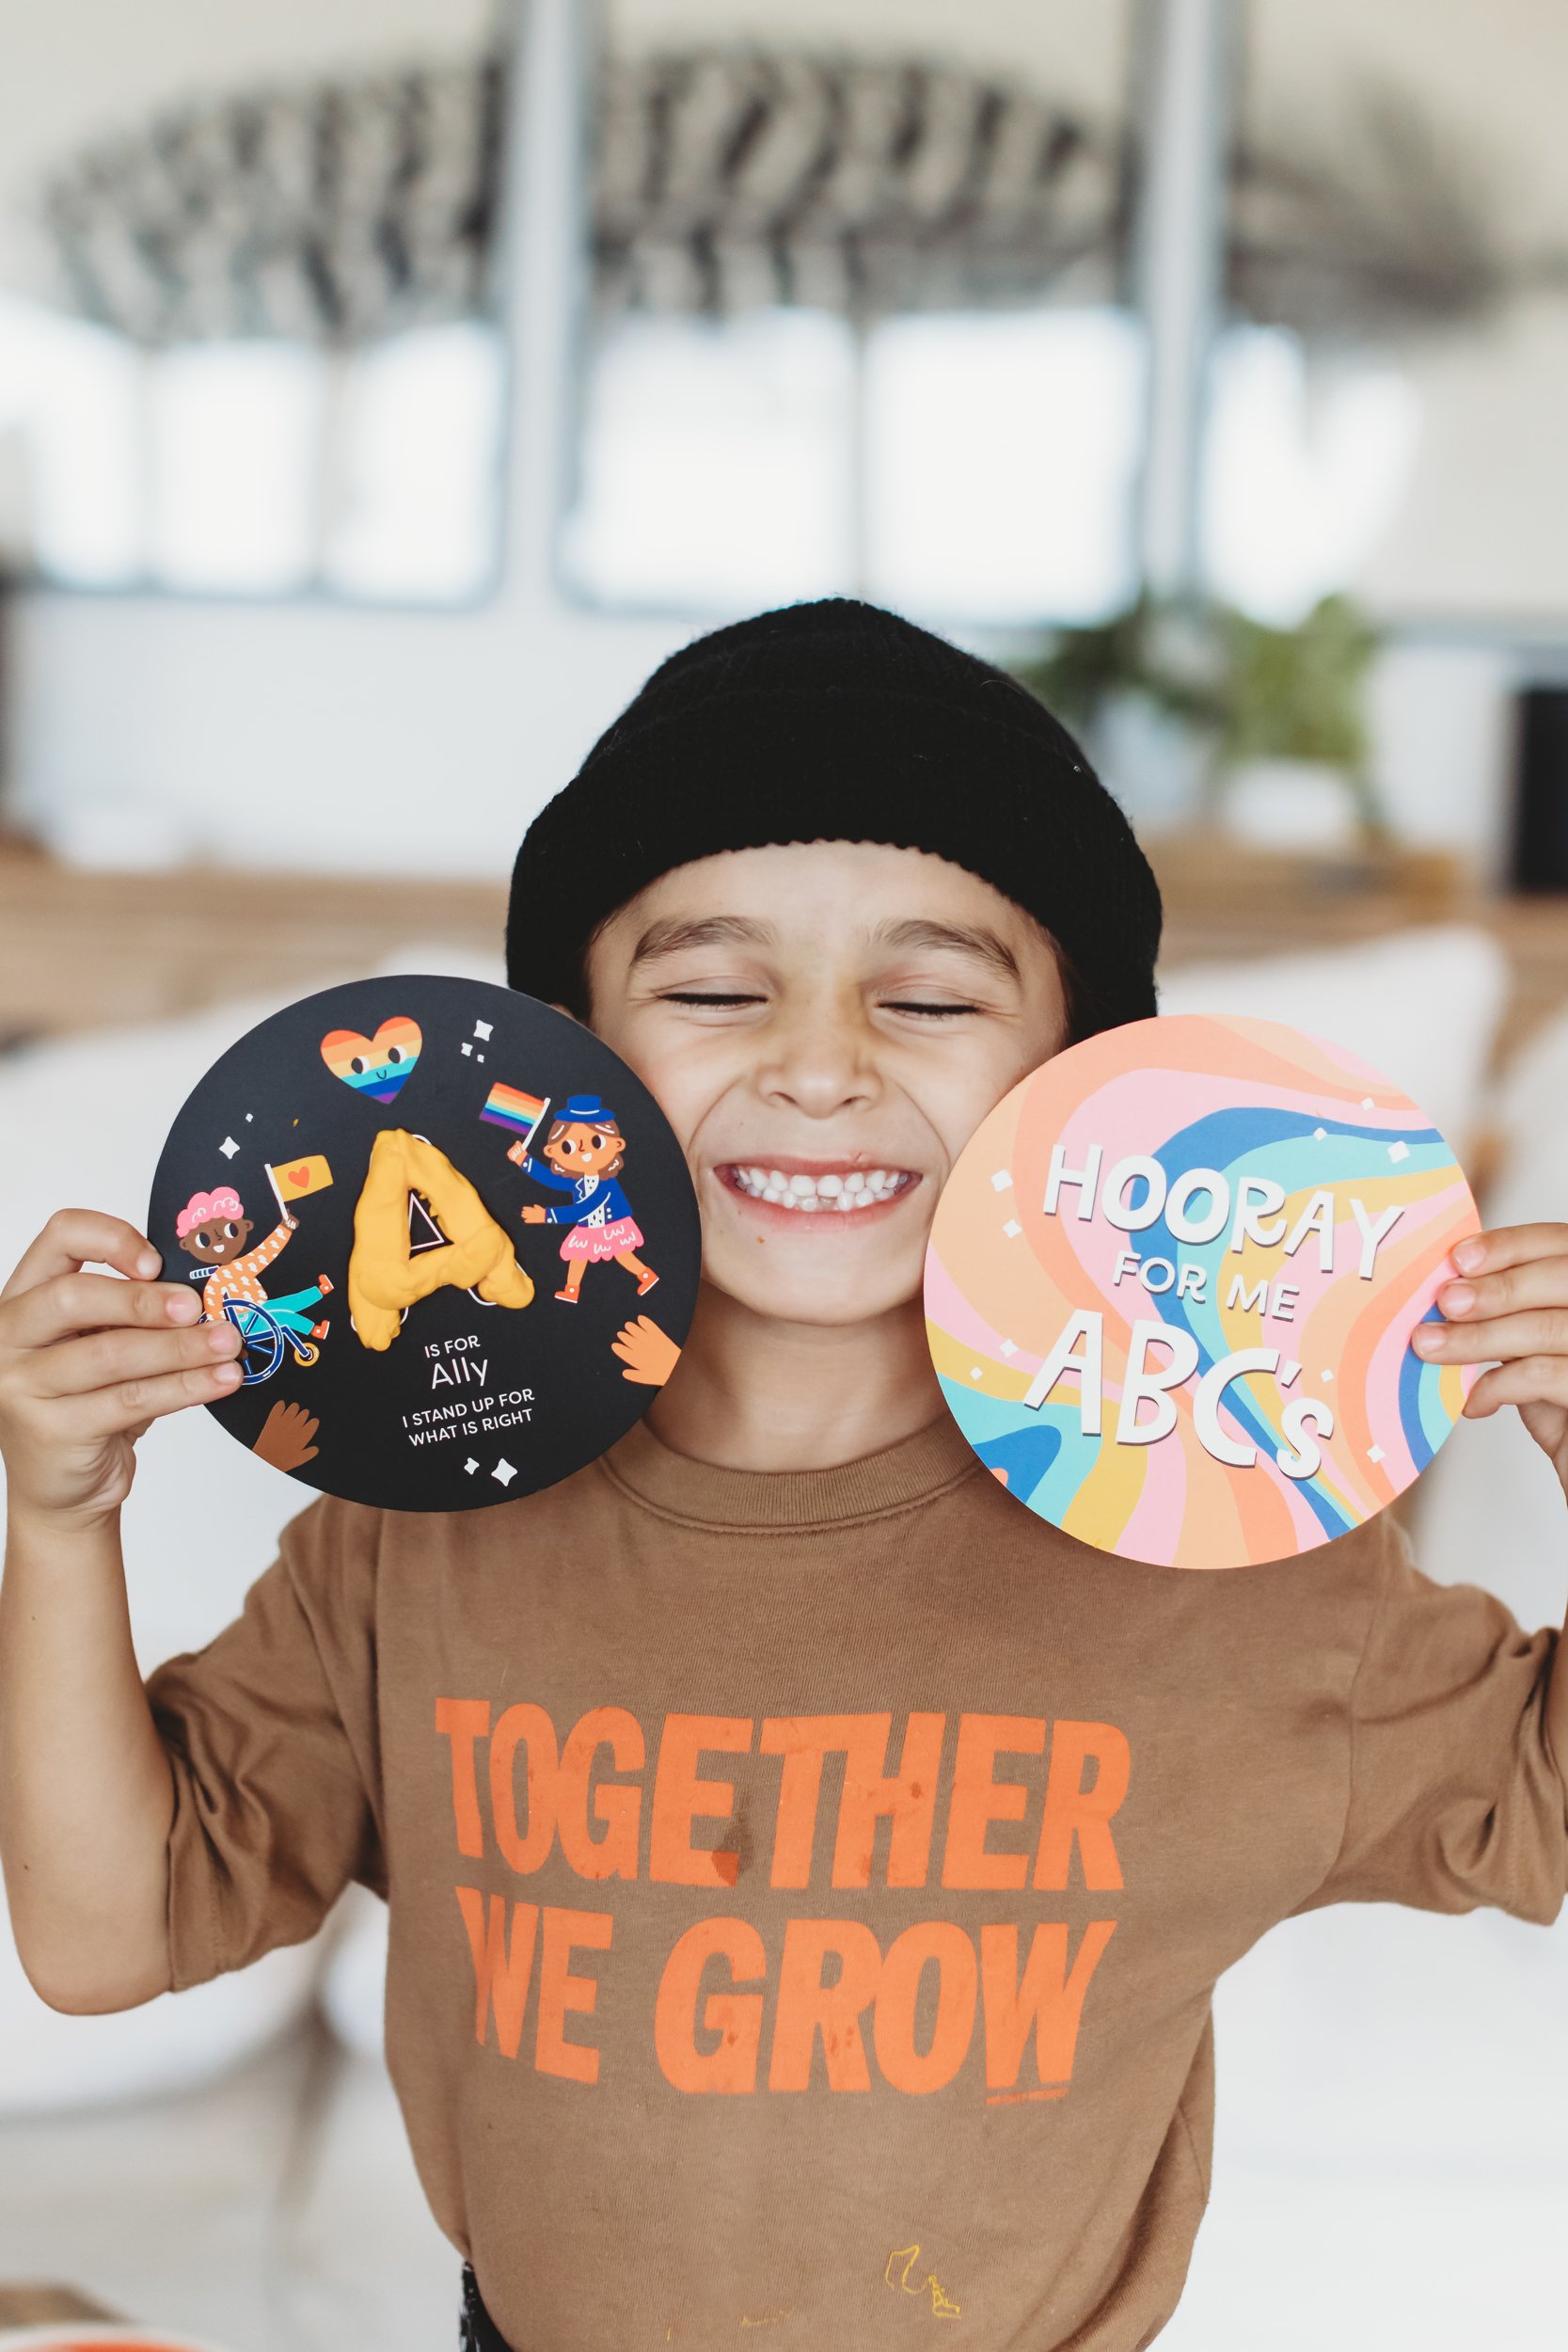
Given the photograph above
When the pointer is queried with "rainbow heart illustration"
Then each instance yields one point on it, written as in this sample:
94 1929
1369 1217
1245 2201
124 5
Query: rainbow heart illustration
379 1066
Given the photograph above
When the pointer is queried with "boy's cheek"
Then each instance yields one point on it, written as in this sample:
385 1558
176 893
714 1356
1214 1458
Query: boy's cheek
685 1080
958 1096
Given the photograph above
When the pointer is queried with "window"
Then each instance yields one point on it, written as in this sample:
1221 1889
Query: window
263 355
858 321
1387 401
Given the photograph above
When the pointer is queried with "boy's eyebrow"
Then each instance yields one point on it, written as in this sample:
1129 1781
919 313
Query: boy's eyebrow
673 937
968 938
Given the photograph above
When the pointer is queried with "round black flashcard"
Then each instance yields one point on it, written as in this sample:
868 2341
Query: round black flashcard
456 1236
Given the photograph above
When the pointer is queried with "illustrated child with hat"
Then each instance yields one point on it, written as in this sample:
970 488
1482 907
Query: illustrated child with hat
586 1152
808 1870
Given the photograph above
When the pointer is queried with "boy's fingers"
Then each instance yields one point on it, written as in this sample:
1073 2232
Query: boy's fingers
66 1303
75 1237
132 1403
1543 1333
1530 1380
78 1367
1504 1246
1532 1282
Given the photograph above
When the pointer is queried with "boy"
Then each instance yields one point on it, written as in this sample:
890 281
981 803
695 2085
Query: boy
808 1873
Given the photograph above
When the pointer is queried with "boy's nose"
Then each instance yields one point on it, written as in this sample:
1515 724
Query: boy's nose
820 1064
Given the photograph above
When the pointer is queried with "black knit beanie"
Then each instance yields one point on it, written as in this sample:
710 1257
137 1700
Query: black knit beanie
836 721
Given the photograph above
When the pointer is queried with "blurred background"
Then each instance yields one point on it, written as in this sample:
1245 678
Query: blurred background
384 389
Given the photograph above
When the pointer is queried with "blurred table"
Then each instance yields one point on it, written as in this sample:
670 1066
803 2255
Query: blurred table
24 2305
86 950
1225 899
82 951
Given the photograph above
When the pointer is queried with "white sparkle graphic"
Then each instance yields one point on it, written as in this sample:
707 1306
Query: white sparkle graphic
248 1117
1002 1179
483 1028
974 1372
470 1466
1366 1103
1010 1347
1318 1133
1400 1151
1374 1454
468 1049
1012 1228
228 1147
504 1471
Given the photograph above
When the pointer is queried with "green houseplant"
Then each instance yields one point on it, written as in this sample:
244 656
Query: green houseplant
1290 701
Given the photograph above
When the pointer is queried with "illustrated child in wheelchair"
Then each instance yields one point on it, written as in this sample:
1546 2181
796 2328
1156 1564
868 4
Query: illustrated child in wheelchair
214 1229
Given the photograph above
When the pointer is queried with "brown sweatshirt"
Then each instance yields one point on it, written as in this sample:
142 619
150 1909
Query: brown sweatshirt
807 1888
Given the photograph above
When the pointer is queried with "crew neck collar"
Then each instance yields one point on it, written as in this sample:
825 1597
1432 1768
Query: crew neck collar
700 1494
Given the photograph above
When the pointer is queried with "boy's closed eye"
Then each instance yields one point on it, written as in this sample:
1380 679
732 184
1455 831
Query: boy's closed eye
929 1003
921 1006
713 996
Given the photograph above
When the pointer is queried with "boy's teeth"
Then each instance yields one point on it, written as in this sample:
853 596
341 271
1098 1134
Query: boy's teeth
861 1189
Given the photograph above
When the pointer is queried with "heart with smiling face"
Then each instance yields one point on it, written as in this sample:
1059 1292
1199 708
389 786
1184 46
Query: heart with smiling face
380 1066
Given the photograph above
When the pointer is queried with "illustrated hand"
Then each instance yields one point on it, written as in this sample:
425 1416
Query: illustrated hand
89 1361
533 1215
1510 1307
649 1353
285 1439
517 1153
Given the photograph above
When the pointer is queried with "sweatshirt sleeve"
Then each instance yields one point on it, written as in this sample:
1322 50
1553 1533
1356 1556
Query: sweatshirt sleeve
270 1734
1455 1799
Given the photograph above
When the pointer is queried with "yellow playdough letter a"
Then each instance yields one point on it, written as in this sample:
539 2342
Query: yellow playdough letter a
382 1279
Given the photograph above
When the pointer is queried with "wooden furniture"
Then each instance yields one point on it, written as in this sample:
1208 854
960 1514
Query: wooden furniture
30 2306
88 950
1225 900
82 951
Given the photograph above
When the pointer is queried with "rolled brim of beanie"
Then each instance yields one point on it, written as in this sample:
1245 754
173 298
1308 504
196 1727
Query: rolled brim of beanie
834 763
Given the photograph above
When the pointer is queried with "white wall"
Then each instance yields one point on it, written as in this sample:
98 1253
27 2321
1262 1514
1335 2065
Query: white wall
300 736
315 736
322 736
76 69
311 734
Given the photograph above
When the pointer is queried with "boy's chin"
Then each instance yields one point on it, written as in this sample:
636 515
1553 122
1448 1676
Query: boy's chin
783 1297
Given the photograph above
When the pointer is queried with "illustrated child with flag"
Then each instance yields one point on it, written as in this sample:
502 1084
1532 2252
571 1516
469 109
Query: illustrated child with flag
587 1151
214 1229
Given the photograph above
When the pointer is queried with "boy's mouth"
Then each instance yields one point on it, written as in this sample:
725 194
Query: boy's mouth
834 1188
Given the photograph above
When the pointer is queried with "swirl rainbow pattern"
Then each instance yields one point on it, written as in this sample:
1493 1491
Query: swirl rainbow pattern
1245 1099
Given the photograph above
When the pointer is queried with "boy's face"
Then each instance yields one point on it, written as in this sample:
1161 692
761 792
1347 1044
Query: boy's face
825 1025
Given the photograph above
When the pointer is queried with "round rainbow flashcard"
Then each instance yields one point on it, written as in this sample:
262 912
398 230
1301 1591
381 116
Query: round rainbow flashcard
1172 1282
454 1235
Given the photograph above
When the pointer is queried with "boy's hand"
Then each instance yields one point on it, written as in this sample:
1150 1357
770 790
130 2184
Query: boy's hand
88 1362
1511 1303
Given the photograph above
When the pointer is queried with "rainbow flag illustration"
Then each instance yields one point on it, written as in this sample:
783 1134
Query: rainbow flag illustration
517 1112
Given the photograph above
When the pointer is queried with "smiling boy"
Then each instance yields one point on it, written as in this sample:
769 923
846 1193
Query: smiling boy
808 1872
